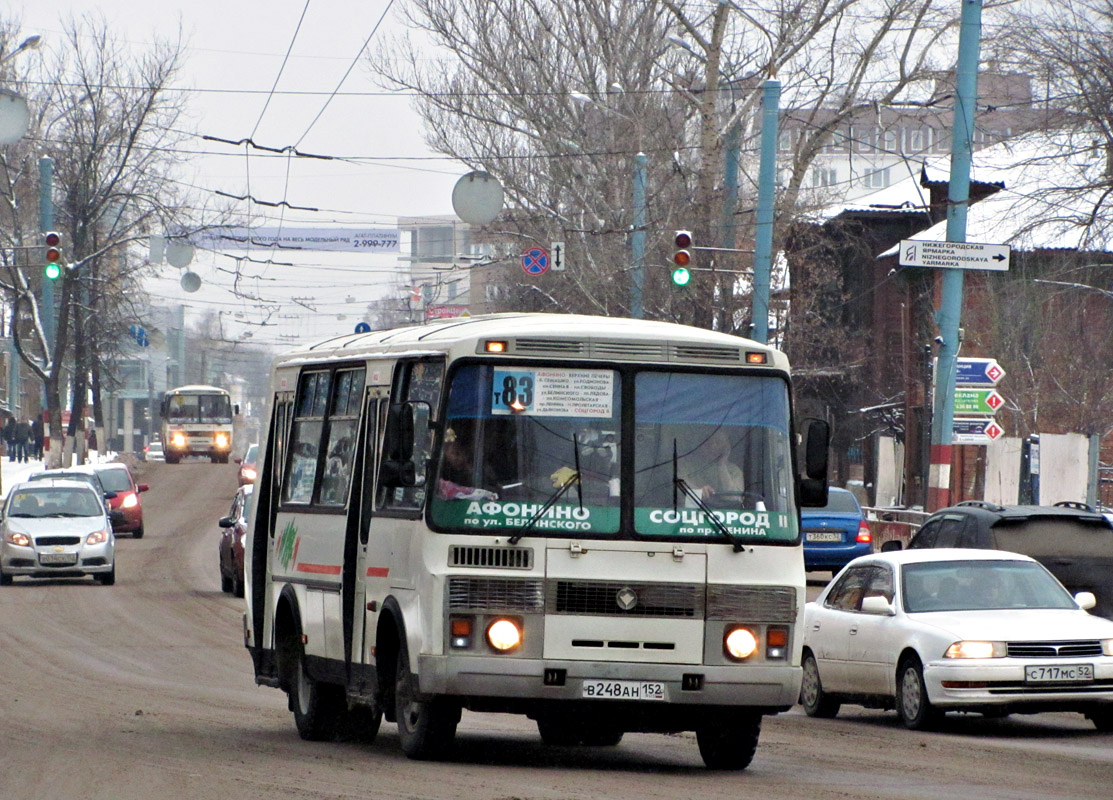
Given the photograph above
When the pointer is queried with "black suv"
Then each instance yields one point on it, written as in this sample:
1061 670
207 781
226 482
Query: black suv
1073 540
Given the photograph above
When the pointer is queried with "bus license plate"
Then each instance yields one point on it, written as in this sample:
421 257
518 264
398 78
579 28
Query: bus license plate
1057 673
625 690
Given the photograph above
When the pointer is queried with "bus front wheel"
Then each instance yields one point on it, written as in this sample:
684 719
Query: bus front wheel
318 707
729 743
426 726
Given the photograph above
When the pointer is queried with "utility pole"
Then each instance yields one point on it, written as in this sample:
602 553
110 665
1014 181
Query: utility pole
950 308
766 184
637 238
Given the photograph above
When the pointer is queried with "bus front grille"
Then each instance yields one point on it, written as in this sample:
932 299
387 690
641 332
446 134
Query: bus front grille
495 594
460 555
614 598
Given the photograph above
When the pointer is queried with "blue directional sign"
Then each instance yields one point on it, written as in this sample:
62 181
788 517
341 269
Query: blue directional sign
978 372
140 335
363 327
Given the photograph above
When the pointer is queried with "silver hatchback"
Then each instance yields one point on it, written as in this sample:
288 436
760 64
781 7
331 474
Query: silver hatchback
56 528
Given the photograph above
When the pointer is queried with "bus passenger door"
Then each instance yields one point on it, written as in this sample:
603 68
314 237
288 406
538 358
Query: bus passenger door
374 551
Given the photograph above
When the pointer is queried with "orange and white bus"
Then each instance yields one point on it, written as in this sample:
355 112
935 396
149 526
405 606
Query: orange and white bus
589 521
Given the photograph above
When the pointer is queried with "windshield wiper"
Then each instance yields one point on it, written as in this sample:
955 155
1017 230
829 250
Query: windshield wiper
679 485
574 478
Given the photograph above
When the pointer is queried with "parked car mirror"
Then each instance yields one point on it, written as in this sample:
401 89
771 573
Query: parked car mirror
142 487
892 545
1086 600
876 604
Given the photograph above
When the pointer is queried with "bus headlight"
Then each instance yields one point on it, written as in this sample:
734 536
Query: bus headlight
178 439
504 635
739 643
221 440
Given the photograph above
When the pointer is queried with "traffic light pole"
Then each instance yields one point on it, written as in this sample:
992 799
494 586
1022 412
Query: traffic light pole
637 238
46 219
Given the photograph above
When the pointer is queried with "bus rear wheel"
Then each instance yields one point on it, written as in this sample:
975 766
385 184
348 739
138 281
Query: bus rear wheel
426 726
729 743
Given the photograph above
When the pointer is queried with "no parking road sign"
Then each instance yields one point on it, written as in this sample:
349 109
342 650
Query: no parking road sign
535 260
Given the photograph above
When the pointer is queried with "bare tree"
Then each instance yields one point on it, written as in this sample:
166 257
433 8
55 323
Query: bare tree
106 119
557 98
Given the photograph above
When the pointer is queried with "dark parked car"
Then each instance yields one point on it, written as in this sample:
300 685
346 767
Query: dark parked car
836 534
1074 541
232 530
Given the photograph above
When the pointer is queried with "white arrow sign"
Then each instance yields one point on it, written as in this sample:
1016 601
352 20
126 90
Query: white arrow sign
954 255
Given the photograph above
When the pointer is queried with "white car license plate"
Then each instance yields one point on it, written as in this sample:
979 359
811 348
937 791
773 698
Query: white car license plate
823 537
625 690
1055 673
57 558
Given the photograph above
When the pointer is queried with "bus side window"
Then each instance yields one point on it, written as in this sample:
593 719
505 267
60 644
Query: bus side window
420 382
343 422
305 438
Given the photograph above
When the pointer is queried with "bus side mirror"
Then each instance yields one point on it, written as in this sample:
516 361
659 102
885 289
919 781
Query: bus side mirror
813 484
407 429
236 409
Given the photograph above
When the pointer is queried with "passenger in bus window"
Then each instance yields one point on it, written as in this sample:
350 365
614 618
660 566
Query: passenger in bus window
456 472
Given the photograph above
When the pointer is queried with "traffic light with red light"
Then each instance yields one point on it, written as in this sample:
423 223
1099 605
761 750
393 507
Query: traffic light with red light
682 257
53 269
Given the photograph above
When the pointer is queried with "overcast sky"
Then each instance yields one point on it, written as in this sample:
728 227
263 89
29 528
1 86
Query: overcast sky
234 54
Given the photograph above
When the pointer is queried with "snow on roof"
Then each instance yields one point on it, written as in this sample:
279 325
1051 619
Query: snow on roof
1052 198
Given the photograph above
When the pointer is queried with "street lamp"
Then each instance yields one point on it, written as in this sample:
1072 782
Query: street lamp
15 117
30 43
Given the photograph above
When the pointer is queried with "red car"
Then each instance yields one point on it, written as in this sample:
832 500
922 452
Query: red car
126 511
233 528
247 465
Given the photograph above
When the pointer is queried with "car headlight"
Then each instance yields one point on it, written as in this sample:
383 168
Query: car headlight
739 643
221 440
248 473
966 649
97 537
504 635
21 539
1107 647
131 501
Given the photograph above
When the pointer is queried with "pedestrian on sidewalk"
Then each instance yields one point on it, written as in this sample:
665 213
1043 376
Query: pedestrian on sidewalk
22 440
37 437
8 432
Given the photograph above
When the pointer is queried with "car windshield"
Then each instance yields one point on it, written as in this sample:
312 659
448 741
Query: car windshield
841 502
84 477
981 585
115 480
250 455
56 502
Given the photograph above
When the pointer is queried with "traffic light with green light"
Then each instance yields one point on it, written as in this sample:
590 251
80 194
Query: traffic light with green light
681 258
53 269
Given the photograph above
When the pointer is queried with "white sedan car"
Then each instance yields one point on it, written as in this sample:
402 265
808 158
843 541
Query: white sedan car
930 631
56 528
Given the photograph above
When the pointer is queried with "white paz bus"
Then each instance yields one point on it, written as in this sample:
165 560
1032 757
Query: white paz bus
197 421
590 521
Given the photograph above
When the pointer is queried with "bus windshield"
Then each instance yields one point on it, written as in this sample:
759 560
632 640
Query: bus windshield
207 408
519 438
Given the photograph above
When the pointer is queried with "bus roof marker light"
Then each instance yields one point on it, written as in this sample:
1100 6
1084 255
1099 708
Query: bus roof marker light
753 357
495 347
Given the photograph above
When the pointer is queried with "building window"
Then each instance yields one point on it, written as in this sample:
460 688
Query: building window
876 179
891 140
784 141
434 242
824 176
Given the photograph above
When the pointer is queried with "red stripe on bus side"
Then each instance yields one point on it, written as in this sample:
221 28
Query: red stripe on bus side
378 572
319 569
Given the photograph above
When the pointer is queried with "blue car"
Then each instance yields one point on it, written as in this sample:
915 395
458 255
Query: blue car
835 534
